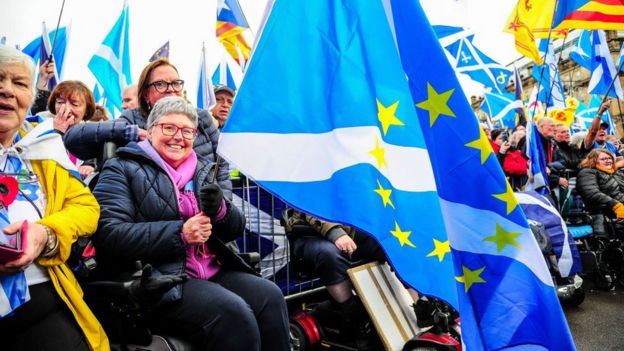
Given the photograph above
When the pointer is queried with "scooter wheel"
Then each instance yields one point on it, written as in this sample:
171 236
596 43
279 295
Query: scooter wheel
298 338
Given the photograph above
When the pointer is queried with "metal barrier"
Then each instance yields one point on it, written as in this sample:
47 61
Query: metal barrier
265 234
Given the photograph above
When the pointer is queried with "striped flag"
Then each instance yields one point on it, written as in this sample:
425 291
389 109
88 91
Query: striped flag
590 14
205 93
231 24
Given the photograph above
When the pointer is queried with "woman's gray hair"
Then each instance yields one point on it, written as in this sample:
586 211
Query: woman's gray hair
514 136
9 55
169 105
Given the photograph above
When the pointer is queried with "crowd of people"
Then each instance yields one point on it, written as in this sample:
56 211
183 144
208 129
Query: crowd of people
147 206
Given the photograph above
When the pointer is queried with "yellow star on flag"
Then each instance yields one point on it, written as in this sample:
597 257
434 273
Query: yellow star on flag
441 249
385 195
503 238
380 154
436 104
470 277
509 198
482 144
401 235
386 116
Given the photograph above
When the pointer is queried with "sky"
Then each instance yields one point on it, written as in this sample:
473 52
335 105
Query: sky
189 23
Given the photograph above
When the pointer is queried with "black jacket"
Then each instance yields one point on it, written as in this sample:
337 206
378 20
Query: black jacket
140 219
85 140
600 190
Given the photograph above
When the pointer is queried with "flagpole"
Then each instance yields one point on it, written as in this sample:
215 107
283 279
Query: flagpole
58 23
539 83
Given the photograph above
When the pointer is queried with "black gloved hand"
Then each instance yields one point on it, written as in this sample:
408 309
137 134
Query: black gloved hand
150 288
210 199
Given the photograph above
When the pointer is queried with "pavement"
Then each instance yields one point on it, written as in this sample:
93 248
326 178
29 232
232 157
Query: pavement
598 323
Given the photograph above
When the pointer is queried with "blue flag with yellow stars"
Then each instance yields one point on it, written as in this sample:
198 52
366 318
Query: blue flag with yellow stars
347 140
505 292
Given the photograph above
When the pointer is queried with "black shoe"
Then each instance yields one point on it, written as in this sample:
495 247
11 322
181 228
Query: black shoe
360 325
424 310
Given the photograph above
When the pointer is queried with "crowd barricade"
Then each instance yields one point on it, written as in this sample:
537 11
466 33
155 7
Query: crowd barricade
266 235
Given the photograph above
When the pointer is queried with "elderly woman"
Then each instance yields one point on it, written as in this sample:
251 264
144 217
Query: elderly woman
597 182
150 212
40 195
159 79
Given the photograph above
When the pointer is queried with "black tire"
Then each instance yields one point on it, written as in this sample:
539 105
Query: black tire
603 281
298 338
577 298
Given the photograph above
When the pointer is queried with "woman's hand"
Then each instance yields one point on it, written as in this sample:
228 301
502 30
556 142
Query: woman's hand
36 239
197 229
346 244
85 170
504 147
63 119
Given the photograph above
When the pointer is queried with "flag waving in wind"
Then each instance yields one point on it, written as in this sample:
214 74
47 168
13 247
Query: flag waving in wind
408 164
231 24
205 94
603 68
111 63
590 14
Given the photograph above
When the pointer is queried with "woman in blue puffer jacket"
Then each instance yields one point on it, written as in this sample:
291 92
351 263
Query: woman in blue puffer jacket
150 212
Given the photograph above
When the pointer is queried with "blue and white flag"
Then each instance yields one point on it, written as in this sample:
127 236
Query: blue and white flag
581 52
547 75
468 59
603 69
502 108
537 159
538 208
620 62
205 94
223 76
586 114
46 49
3 40
354 149
97 95
35 47
111 63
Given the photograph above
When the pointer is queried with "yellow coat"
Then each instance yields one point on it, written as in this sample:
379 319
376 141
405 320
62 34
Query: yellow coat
71 211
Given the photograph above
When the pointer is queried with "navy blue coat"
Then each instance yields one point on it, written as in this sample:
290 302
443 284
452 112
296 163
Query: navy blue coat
140 219
85 140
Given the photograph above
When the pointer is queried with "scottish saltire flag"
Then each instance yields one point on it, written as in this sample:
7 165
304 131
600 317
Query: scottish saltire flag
97 95
603 69
34 48
534 107
468 59
502 108
46 49
592 110
620 62
520 111
111 63
205 94
590 14
223 76
547 75
585 116
538 208
581 52
231 24
162 52
506 295
350 149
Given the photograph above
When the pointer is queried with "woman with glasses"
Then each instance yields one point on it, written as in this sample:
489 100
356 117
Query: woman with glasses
159 79
599 185
150 211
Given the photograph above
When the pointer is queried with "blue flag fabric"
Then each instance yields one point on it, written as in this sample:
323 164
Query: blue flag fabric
33 49
205 94
111 63
502 108
349 150
581 52
551 89
469 60
520 110
538 208
353 149
162 52
46 48
537 159
506 295
223 76
97 95
603 68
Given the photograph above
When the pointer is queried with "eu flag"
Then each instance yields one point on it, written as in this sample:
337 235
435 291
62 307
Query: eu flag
505 292
388 143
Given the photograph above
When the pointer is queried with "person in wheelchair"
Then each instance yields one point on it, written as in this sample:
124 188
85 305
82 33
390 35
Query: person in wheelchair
600 185
44 208
160 205
330 250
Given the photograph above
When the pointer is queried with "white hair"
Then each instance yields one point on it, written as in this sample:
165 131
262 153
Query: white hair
172 104
9 55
